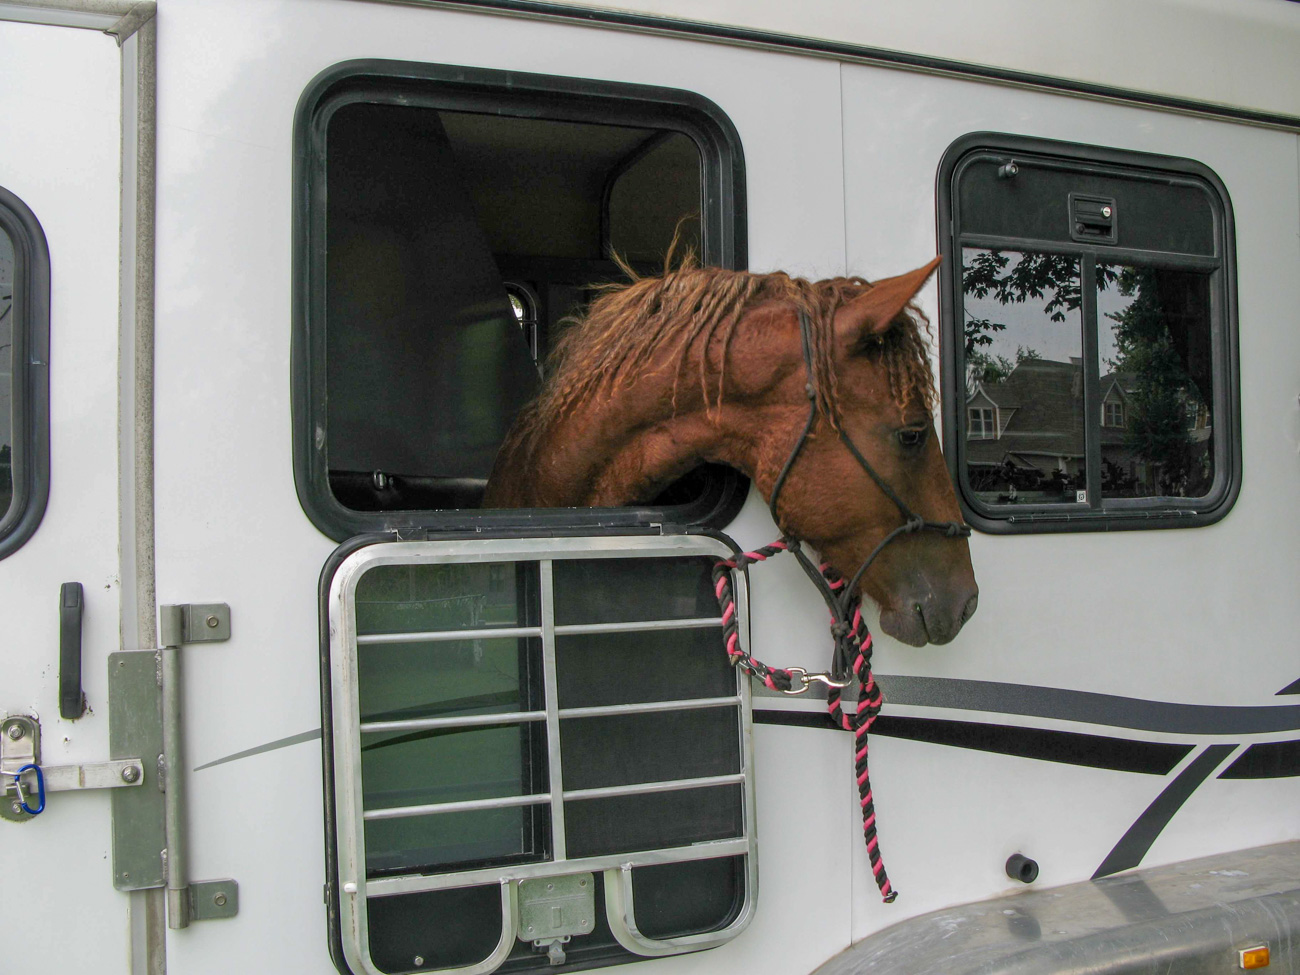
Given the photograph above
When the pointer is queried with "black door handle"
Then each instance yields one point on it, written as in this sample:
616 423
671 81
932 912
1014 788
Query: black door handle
72 701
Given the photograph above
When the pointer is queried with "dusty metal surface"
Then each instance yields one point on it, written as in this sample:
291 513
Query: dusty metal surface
1185 919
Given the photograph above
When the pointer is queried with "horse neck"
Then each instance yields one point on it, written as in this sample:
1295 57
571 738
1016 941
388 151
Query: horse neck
632 440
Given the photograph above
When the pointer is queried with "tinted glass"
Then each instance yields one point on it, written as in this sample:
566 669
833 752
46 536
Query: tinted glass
455 841
442 678
446 596
1025 430
1157 390
6 372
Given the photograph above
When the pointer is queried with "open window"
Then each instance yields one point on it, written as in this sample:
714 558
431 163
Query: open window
537 753
1089 354
24 372
450 220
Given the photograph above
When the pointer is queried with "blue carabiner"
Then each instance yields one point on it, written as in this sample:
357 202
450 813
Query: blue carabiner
40 789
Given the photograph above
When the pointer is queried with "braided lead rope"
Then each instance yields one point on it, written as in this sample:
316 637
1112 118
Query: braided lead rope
852 642
870 700
775 678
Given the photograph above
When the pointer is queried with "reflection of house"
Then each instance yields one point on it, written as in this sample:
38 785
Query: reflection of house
1032 420
1027 431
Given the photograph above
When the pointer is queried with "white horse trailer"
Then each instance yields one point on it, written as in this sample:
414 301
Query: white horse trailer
279 697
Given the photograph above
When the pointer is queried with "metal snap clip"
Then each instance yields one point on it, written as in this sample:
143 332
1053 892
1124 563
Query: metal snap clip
40 789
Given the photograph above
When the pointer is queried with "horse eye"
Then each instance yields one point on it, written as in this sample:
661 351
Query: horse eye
912 437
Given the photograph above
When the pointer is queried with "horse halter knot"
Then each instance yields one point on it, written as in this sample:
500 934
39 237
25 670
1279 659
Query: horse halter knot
851 660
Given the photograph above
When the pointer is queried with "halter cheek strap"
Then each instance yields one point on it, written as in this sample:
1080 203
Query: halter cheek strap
851 660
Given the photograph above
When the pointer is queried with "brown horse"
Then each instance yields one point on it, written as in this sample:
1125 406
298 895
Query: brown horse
705 364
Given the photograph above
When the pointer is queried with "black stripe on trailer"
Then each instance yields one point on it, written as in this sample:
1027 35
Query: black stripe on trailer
1071 748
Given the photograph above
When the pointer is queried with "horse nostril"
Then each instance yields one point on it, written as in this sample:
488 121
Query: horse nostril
971 605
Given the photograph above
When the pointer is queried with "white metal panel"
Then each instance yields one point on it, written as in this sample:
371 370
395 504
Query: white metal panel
229 526
1240 53
1193 616
60 155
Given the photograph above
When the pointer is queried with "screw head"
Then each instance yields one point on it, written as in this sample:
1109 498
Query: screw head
550 886
219 899
17 807
15 731
212 622
130 774
418 960
1105 211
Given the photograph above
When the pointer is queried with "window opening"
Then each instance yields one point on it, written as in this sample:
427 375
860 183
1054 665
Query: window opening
457 218
1091 313
504 711
24 377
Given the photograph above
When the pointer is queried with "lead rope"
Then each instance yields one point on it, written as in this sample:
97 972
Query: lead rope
853 643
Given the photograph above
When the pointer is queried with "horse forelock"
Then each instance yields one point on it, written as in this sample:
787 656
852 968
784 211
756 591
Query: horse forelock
629 327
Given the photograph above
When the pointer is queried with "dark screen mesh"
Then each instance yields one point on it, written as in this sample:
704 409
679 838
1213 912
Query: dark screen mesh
627 824
632 668
652 747
624 590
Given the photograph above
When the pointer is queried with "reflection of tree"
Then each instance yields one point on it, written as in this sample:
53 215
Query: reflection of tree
1164 400
1051 278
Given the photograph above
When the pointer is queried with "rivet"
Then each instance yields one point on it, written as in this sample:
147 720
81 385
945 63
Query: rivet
550 886
582 883
16 731
219 899
418 960
212 622
583 922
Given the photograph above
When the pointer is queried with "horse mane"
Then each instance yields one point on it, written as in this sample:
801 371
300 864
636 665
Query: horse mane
629 324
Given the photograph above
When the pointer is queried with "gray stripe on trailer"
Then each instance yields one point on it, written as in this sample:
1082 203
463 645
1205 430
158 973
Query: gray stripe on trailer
270 746
1090 707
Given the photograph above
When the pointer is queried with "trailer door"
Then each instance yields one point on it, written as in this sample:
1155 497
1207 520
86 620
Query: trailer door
59 481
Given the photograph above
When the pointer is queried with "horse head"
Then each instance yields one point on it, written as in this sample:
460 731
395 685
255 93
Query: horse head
880 399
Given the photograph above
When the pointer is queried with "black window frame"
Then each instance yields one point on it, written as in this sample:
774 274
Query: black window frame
1100 514
724 236
30 383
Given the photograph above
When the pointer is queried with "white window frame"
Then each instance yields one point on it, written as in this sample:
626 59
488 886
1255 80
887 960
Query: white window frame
986 428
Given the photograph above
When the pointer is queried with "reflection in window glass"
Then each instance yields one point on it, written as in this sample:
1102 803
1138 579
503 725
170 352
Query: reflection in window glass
6 372
1024 377
1154 354
419 679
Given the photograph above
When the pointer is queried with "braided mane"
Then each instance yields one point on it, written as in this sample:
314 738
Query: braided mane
628 324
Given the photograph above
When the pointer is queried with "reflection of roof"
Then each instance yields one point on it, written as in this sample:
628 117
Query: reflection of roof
1047 397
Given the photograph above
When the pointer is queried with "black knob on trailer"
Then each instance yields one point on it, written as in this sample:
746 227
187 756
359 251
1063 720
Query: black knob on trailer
1022 868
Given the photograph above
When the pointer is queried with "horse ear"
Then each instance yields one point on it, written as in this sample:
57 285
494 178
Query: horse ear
872 312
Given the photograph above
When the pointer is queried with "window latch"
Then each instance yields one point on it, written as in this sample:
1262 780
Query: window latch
1094 219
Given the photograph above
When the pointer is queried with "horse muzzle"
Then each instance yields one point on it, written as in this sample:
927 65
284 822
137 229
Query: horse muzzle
928 615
